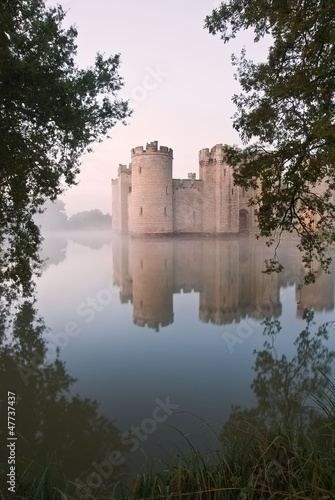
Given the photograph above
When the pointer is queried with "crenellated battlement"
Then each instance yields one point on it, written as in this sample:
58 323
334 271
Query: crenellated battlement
186 183
124 169
148 201
152 148
215 154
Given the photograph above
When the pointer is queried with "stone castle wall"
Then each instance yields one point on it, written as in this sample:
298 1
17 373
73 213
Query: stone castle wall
147 201
187 206
120 191
151 191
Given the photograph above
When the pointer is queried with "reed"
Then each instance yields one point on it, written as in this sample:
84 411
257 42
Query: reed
263 460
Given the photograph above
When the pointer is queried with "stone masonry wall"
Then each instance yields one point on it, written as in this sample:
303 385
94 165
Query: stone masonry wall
151 205
220 198
120 191
244 196
227 219
125 186
187 206
207 175
147 201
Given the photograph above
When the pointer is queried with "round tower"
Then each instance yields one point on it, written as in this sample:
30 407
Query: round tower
220 196
151 204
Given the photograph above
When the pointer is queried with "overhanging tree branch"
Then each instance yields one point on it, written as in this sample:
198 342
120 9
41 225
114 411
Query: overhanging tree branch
287 104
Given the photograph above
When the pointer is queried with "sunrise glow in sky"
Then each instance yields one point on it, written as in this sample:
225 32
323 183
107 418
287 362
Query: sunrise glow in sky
178 77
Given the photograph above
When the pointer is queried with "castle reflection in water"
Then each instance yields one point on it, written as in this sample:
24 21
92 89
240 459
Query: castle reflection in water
226 273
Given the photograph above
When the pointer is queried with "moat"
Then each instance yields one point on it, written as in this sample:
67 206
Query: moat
160 339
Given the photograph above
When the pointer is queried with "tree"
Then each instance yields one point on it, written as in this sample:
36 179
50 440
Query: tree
286 119
53 218
51 112
90 220
274 431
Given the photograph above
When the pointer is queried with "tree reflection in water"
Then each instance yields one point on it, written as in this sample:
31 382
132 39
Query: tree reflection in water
284 388
54 425
51 425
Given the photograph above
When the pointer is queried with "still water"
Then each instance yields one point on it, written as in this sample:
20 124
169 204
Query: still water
149 345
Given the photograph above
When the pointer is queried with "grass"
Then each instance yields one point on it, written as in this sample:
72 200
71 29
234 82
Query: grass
259 460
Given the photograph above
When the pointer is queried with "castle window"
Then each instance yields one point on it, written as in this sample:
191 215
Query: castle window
141 211
129 189
193 214
166 190
164 210
224 172
232 191
140 170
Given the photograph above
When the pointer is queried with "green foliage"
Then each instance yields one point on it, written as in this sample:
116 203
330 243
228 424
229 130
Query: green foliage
51 112
90 220
285 117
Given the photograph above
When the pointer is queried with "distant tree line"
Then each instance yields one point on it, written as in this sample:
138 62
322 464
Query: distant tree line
54 218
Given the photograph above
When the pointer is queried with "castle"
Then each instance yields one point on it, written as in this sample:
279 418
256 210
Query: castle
148 201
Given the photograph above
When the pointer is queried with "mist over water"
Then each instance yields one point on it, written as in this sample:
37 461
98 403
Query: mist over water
162 338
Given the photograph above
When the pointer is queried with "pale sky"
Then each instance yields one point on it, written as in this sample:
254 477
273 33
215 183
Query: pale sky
178 77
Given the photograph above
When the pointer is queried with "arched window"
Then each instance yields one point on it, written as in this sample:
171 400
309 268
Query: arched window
243 220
